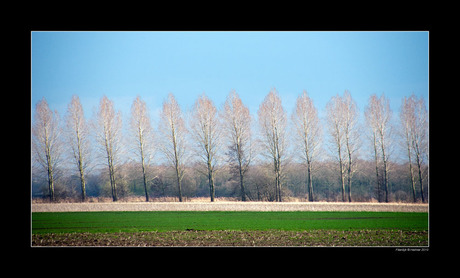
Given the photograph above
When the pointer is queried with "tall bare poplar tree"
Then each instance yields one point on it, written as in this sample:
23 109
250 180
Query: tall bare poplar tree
172 142
143 136
406 116
342 117
351 136
378 116
77 137
46 142
206 130
414 122
308 134
272 122
335 122
237 127
108 135
420 139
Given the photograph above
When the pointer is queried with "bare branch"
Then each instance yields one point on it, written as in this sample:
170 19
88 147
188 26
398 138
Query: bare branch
46 142
143 136
272 122
308 132
414 120
77 137
206 130
108 136
342 117
378 116
172 143
237 127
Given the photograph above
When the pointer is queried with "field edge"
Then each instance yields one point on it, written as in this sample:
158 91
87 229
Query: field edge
230 238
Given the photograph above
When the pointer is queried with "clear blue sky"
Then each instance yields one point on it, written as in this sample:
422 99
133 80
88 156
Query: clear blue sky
122 65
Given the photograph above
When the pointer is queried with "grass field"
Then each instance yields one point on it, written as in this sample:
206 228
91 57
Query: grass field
67 222
185 228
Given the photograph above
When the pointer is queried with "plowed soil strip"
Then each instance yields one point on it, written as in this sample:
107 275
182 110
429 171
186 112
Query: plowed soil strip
238 238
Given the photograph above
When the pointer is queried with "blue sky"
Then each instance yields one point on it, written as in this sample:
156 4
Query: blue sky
122 65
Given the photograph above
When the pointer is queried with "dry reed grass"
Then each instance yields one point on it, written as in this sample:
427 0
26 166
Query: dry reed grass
224 205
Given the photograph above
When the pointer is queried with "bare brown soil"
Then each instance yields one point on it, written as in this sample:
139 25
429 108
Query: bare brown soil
238 238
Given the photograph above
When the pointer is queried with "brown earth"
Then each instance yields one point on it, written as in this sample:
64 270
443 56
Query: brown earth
238 238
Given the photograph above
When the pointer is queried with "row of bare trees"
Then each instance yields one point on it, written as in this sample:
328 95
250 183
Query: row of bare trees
224 138
414 120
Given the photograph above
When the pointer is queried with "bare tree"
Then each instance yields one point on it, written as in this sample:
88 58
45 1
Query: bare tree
335 127
46 142
377 162
206 131
406 116
351 136
378 116
414 121
237 127
272 122
172 142
308 134
108 135
420 139
342 117
143 136
78 139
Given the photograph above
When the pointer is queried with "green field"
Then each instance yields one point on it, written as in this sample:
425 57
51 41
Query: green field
160 221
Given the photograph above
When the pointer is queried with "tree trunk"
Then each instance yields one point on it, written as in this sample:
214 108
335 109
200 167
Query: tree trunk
50 174
51 183
385 179
114 187
82 177
379 195
349 183
179 181
385 169
342 180
176 163
112 181
414 196
277 181
83 187
278 169
310 183
143 172
111 170
179 188
211 187
421 183
411 175
145 181
279 186
243 194
240 169
350 161
211 181
141 147
419 166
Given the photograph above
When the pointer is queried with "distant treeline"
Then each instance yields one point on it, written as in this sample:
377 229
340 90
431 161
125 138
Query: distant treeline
225 152
259 184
